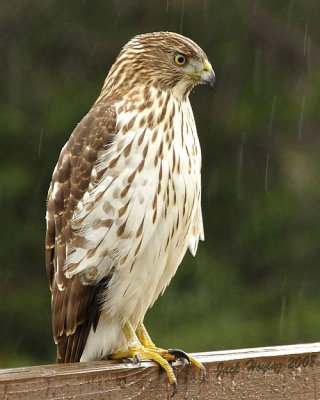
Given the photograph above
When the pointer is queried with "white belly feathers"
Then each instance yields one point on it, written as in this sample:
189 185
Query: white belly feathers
140 219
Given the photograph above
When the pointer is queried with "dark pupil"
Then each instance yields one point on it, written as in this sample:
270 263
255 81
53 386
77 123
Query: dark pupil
180 60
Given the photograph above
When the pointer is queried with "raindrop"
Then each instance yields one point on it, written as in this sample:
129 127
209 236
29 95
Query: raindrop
307 49
116 20
40 143
305 40
283 308
282 314
301 117
6 277
205 10
274 102
266 174
241 150
257 70
289 14
240 169
255 7
283 284
182 16
167 6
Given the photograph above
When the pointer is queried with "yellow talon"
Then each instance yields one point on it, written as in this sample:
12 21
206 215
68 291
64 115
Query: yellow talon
138 351
141 347
169 355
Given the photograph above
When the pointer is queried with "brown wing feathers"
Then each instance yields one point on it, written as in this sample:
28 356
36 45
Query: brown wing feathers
75 307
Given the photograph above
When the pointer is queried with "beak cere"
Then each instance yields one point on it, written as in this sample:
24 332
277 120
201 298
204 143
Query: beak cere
207 76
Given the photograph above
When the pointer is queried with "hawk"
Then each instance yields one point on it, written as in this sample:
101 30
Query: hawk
124 203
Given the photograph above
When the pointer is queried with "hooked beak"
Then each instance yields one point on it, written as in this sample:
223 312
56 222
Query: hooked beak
207 76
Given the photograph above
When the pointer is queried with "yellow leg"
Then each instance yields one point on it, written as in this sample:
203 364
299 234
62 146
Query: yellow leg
138 351
144 337
141 347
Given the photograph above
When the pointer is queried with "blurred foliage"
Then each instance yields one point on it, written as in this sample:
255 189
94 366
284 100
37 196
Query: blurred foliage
255 280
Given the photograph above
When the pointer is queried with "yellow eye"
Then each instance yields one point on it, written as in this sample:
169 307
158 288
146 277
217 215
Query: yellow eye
180 59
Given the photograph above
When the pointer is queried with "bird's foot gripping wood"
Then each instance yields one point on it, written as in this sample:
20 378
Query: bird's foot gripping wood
141 347
170 354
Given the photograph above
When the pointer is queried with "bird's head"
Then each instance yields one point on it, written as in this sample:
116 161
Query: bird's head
162 59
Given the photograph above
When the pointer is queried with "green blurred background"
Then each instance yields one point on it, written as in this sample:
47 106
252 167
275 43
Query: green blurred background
255 280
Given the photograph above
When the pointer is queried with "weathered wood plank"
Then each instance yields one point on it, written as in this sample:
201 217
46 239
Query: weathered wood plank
284 372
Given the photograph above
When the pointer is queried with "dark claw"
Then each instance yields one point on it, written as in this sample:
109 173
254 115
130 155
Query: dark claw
128 360
179 354
204 374
137 358
183 362
175 388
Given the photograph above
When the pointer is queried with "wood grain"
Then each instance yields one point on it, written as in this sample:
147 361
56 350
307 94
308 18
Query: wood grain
282 372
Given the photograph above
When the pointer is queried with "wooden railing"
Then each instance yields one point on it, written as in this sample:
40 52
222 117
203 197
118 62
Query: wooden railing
283 372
